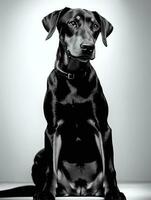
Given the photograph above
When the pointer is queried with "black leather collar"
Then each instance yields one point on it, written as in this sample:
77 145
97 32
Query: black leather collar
70 76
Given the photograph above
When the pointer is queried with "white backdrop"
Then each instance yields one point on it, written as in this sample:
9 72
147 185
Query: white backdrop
26 60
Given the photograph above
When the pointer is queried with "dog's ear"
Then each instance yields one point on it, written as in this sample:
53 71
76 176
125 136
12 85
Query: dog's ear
50 21
106 27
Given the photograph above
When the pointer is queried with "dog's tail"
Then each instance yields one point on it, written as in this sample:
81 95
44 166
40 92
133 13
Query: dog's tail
21 191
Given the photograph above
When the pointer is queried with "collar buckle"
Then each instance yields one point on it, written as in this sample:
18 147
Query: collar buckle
71 76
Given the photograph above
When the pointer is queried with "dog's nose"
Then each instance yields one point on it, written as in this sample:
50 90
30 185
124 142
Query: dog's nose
87 47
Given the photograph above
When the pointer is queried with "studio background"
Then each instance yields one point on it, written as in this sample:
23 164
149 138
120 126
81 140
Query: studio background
124 69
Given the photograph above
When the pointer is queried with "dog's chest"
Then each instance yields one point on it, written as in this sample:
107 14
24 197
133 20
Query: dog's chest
74 94
73 97
74 101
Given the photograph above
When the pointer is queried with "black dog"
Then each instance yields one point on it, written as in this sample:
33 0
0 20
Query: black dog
78 156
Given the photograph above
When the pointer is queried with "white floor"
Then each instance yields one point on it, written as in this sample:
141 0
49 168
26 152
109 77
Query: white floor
137 191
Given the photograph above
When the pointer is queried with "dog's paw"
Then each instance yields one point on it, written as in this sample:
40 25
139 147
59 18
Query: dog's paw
43 196
115 196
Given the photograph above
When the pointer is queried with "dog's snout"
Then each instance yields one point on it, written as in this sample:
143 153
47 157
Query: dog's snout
87 47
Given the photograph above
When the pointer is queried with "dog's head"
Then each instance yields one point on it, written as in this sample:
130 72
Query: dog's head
78 31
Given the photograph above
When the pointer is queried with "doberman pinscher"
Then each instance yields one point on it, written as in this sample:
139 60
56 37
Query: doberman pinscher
78 156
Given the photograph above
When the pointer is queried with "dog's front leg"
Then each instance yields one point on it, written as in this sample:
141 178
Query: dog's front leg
56 141
52 150
105 147
110 173
99 143
112 191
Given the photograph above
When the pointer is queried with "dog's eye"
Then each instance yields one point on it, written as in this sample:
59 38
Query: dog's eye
73 23
95 26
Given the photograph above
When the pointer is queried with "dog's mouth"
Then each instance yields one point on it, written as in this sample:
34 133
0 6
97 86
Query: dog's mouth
82 58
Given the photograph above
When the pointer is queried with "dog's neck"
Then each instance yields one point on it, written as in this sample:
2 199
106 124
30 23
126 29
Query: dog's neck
67 63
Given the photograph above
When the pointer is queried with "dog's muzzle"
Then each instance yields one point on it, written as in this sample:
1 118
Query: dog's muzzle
86 55
87 48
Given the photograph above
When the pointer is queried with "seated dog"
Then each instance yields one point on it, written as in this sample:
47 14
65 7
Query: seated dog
78 156
77 159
